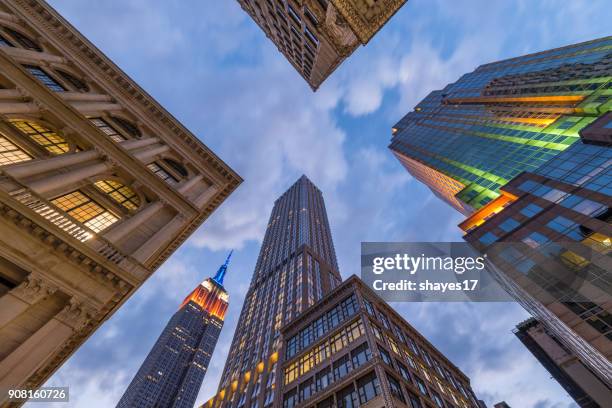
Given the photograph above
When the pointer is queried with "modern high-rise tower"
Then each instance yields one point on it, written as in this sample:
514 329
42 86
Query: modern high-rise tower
524 148
472 137
316 36
173 372
99 185
295 268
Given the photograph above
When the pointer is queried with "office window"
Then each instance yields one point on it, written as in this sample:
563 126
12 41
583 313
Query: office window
82 208
307 389
415 401
46 138
509 224
369 307
421 385
403 371
10 153
324 378
342 367
368 387
360 355
107 129
385 356
120 193
437 399
290 399
23 40
326 403
395 388
530 210
45 78
347 398
488 238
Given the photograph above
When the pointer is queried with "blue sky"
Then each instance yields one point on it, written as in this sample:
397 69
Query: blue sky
209 64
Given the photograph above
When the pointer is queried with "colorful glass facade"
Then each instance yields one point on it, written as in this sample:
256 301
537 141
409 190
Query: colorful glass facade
504 118
173 372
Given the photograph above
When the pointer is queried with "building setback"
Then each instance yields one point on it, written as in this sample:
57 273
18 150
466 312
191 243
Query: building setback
316 36
172 373
562 365
523 148
303 336
98 186
469 139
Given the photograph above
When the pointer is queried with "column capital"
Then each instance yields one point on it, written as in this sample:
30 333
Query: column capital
33 289
76 314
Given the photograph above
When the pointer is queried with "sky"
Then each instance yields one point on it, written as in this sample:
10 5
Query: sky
211 66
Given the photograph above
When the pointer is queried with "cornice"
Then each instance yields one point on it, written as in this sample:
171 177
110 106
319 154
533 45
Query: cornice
354 11
40 14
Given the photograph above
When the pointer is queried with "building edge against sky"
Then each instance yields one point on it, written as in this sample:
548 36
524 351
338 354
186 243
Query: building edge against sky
316 36
298 318
527 157
99 185
174 369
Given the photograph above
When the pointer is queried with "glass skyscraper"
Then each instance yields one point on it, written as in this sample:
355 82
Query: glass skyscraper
173 372
295 268
475 135
523 148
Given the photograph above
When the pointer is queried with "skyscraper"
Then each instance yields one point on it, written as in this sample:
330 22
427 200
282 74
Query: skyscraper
469 139
303 335
295 268
173 372
523 147
316 36
99 185
578 381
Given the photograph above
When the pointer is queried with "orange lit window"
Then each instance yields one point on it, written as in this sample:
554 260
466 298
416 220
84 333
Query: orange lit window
46 138
9 153
120 193
85 210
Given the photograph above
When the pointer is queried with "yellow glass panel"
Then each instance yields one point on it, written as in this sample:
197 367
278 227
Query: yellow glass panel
70 201
46 138
120 193
10 153
86 211
102 221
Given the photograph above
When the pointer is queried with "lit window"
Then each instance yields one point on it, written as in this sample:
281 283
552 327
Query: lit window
107 129
9 153
85 210
23 40
43 77
46 138
120 193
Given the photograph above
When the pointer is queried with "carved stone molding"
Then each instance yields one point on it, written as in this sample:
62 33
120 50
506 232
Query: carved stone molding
76 314
33 289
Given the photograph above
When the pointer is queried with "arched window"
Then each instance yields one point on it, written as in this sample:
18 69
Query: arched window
128 126
48 139
74 81
85 210
10 153
45 78
23 40
120 193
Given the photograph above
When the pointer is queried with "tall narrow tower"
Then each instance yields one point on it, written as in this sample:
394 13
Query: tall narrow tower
173 372
296 267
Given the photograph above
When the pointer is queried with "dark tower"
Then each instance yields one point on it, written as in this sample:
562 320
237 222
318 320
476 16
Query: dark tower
172 373
295 268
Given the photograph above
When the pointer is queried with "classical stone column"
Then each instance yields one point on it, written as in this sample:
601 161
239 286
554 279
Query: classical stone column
33 353
189 183
18 299
130 224
18 107
138 143
159 239
32 167
88 107
58 181
205 196
146 155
